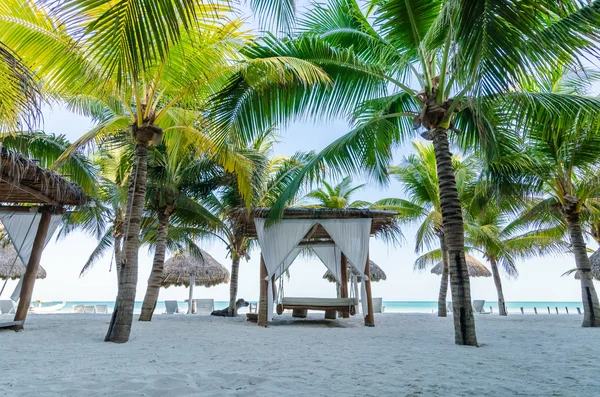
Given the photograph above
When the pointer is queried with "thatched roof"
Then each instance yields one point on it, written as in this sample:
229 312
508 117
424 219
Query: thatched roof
207 271
381 221
23 181
376 273
595 264
476 268
8 255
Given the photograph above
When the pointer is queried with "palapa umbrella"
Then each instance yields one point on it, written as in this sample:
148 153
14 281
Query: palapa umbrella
186 269
11 266
595 265
376 273
476 268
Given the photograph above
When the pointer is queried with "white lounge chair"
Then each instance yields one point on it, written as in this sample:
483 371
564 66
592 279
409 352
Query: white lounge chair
449 307
204 306
90 309
378 305
102 309
478 307
7 306
171 307
77 308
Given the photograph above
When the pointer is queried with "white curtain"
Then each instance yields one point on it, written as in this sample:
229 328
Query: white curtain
331 256
352 236
287 262
277 242
21 228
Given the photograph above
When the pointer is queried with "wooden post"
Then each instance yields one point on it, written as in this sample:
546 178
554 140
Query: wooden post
344 285
369 318
578 311
32 267
556 309
522 312
535 310
567 309
263 305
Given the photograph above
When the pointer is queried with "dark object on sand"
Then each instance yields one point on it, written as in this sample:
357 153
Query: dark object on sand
225 312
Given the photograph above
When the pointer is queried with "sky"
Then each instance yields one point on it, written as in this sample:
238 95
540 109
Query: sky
539 279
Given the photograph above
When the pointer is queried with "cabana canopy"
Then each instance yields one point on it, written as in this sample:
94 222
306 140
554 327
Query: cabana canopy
339 237
476 268
23 183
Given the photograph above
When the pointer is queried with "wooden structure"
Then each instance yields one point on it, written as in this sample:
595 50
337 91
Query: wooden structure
381 222
26 187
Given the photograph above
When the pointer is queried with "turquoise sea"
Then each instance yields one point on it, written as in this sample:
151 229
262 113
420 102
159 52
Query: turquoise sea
390 306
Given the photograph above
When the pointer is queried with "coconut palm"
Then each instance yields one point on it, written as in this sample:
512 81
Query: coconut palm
418 176
559 170
461 54
338 196
154 76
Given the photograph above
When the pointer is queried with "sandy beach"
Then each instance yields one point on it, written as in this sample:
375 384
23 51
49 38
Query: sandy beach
404 355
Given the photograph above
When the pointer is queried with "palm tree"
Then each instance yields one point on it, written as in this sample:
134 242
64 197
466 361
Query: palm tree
338 196
154 75
559 170
177 180
418 175
456 54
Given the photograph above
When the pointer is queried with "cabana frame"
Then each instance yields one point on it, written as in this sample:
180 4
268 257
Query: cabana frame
26 187
381 222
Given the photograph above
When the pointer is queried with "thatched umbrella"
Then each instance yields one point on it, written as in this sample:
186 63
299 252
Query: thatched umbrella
476 268
376 273
188 270
11 266
595 265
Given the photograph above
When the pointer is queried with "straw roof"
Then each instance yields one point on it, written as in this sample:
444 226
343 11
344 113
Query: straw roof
207 271
376 273
381 221
476 268
23 181
595 264
8 254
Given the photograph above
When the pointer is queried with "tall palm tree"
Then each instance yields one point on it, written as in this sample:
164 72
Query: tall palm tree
177 181
418 175
558 169
338 196
460 54
149 71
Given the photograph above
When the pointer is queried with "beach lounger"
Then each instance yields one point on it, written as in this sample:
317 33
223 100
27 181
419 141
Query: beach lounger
7 306
90 309
344 305
171 307
77 308
102 309
478 307
449 307
204 306
378 305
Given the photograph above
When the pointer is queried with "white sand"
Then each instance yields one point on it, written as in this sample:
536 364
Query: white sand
404 355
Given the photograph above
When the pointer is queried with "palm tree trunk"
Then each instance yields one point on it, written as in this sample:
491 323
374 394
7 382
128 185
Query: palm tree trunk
498 282
156 275
591 308
452 222
118 258
122 317
442 310
233 284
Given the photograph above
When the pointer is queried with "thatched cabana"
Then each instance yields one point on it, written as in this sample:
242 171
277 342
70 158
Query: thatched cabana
22 183
595 265
189 270
339 237
377 274
11 266
476 268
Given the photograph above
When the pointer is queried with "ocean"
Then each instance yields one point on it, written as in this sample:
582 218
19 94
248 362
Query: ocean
390 306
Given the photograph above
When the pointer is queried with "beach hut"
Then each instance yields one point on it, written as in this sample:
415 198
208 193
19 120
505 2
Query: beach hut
33 200
595 265
339 237
476 268
11 266
189 270
377 274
